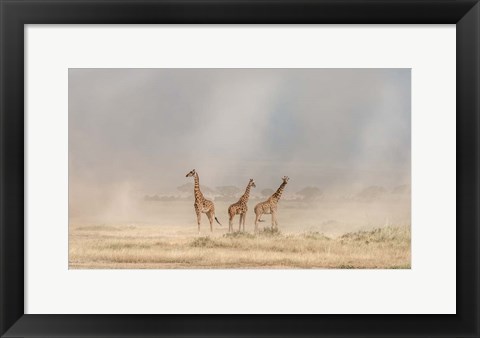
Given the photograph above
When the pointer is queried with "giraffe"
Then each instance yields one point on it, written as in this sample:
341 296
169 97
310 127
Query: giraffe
240 208
201 203
270 205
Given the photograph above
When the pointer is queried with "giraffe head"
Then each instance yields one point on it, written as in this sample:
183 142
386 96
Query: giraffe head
191 173
285 179
252 183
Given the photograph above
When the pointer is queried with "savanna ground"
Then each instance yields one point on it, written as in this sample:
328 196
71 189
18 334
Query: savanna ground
137 245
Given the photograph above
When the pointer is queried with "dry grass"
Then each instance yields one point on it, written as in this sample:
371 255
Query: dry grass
153 247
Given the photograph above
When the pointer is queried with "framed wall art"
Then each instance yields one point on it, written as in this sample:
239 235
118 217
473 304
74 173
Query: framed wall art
239 168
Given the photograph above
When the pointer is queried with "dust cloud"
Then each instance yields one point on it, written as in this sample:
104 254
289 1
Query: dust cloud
343 136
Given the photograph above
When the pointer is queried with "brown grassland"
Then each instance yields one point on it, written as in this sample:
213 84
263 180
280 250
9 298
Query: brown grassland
148 247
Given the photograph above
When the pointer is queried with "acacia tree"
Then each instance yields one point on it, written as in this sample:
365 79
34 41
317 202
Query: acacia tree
228 190
267 192
371 193
310 193
188 188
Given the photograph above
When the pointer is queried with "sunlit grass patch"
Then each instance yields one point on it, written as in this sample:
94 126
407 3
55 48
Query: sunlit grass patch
205 242
123 246
315 235
390 233
239 234
269 232
148 247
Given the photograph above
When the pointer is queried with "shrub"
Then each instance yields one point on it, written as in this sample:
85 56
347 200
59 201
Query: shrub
239 234
390 233
204 242
269 232
315 235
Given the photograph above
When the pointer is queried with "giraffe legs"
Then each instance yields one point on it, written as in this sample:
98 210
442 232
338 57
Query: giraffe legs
240 223
230 224
210 218
257 219
199 217
274 220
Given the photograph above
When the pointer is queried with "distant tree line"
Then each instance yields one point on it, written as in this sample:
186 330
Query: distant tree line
306 194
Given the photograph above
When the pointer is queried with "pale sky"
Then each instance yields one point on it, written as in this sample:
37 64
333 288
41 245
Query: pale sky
331 128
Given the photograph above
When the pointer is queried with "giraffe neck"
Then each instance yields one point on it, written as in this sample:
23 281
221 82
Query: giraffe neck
196 189
276 196
244 198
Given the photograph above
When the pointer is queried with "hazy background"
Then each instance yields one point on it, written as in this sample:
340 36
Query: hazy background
343 136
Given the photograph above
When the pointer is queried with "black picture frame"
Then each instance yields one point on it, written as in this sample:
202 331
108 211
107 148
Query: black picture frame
17 13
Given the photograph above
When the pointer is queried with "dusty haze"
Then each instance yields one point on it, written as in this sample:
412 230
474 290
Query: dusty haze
343 133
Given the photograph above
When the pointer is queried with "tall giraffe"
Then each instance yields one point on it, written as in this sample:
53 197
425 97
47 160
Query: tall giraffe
201 203
270 205
240 208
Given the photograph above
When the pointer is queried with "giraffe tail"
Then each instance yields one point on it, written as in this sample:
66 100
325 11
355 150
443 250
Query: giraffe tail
217 220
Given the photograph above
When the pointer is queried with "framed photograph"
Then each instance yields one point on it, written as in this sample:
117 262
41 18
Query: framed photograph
345 204
239 168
